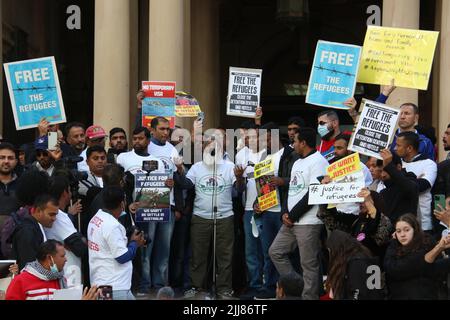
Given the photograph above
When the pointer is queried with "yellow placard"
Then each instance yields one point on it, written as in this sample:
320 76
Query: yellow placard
185 111
404 55
263 168
268 201
344 167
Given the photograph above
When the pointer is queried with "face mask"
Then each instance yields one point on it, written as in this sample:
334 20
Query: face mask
53 267
323 130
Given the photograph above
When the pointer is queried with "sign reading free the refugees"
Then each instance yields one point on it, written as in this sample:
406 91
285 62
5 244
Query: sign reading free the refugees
333 75
34 92
375 128
244 90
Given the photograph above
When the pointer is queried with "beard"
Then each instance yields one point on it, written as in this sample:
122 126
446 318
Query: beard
328 135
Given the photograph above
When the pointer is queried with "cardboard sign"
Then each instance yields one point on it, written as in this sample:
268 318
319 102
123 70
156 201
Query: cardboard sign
244 90
405 55
375 128
346 166
267 194
333 75
335 193
34 92
186 105
154 197
159 101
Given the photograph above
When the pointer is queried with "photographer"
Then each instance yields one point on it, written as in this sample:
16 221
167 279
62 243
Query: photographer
64 231
109 254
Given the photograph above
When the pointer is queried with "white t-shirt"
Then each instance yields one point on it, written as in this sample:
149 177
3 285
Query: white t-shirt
304 172
132 162
166 154
243 158
201 176
82 165
107 240
423 169
61 229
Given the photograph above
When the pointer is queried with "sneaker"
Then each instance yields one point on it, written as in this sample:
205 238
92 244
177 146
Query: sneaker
226 295
191 293
265 295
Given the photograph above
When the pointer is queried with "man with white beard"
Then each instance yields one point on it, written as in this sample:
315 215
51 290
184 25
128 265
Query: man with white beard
214 180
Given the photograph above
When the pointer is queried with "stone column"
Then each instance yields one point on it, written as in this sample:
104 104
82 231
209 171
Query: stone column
444 77
402 14
167 44
205 59
1 73
112 64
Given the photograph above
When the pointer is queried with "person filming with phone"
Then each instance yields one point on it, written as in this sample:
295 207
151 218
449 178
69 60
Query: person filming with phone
110 252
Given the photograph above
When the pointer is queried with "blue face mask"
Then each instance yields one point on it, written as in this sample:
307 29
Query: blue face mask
323 130
53 267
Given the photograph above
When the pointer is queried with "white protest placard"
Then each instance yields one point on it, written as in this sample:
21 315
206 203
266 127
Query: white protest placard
244 90
375 128
344 192
74 293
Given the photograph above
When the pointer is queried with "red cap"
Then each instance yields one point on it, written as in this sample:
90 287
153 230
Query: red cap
94 132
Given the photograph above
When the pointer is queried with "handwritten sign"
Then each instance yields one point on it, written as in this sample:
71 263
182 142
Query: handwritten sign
34 92
375 129
335 193
333 75
405 55
244 89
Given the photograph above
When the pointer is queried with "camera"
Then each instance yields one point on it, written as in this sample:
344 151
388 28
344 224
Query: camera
69 171
150 165
131 230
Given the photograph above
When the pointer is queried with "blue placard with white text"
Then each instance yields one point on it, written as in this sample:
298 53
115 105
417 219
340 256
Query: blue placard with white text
34 92
333 75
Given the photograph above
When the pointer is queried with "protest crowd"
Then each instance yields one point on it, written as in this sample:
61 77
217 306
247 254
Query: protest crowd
251 213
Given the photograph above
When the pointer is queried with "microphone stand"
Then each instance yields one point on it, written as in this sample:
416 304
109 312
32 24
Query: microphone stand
213 295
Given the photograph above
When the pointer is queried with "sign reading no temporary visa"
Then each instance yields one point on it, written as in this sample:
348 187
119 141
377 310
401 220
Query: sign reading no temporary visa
159 101
333 75
34 92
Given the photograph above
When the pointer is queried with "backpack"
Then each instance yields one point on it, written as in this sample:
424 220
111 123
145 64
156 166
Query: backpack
9 228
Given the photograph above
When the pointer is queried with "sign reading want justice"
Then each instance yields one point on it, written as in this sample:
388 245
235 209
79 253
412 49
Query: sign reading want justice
375 128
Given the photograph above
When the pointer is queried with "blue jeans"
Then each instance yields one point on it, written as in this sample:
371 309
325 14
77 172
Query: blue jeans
123 295
155 256
253 252
271 224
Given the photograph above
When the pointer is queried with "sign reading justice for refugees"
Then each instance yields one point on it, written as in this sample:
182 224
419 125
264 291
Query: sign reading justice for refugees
244 89
375 129
34 92
404 55
333 75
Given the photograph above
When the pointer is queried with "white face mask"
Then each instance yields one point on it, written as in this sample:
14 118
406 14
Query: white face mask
323 130
53 267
